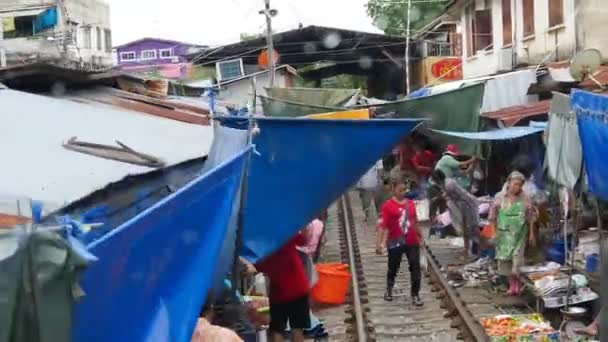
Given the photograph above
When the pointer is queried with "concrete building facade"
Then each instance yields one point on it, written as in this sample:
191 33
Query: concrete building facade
74 33
501 35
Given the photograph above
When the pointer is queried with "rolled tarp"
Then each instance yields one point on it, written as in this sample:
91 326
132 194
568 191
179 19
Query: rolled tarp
154 271
508 133
362 114
326 97
592 116
274 107
300 167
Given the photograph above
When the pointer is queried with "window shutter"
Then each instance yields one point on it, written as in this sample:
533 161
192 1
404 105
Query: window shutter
528 9
507 25
556 12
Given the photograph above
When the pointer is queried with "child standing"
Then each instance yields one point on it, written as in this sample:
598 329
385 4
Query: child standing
401 235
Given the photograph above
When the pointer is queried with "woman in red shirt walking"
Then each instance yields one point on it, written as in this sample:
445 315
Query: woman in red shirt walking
401 235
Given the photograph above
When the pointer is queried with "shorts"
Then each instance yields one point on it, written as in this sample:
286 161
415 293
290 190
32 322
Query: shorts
296 312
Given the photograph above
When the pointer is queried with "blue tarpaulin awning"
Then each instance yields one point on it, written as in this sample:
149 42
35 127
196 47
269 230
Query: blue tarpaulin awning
154 271
304 165
592 118
499 134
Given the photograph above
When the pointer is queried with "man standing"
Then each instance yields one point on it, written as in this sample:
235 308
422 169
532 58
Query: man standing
452 168
367 187
401 235
463 208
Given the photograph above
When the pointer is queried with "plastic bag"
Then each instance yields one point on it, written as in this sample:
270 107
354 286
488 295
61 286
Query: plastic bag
488 232
423 262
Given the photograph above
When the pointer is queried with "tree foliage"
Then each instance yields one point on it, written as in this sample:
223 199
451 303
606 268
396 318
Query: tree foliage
391 15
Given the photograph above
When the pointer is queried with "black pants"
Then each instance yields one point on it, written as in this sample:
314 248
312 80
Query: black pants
437 204
394 262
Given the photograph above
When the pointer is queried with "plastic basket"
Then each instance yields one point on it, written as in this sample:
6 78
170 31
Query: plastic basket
333 284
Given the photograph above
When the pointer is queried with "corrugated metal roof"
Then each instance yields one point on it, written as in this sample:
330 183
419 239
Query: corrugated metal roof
601 75
512 115
37 166
174 109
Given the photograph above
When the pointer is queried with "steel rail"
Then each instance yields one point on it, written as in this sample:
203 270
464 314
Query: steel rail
357 307
472 327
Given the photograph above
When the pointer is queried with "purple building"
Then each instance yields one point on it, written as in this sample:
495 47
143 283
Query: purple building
154 55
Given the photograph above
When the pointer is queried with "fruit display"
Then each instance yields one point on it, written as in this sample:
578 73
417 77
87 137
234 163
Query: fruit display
519 328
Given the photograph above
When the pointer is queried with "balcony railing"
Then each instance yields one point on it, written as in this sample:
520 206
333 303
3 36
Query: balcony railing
438 49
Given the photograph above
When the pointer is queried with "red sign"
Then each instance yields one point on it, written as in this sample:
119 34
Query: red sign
447 69
263 59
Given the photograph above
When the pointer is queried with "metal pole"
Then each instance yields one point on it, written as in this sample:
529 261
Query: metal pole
269 41
407 48
603 319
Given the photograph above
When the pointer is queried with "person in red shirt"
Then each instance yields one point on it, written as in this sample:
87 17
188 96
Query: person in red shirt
288 291
423 161
401 235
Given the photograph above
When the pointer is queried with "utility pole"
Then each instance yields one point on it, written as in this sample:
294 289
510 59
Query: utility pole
407 48
269 13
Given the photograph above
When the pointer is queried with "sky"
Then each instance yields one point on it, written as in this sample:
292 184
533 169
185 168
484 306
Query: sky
217 22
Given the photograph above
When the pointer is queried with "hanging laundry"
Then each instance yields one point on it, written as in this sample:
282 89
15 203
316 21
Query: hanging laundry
8 24
564 151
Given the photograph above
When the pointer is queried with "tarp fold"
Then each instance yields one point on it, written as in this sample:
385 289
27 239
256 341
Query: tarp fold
154 270
592 117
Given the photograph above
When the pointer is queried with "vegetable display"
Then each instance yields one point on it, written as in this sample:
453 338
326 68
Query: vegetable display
524 328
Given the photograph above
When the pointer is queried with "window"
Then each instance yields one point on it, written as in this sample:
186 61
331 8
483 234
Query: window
507 24
230 69
166 53
99 44
127 56
556 12
470 23
482 27
87 38
528 9
107 34
148 54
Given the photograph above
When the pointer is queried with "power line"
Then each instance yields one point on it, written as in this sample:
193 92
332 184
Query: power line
326 52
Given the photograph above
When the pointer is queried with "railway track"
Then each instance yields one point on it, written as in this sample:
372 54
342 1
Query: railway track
444 317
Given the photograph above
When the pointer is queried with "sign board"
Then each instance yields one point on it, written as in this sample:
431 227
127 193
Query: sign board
446 69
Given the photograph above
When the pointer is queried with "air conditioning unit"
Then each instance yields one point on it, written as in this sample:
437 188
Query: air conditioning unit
175 59
228 70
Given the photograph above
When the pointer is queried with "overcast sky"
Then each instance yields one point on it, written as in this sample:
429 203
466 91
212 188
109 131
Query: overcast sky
215 22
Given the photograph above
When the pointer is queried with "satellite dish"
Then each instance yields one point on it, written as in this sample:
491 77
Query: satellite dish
585 63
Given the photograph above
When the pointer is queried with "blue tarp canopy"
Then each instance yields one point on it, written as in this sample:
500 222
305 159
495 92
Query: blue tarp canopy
154 271
592 118
302 167
499 134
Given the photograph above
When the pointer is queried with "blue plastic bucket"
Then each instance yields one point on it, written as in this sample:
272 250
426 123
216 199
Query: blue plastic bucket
556 254
592 263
